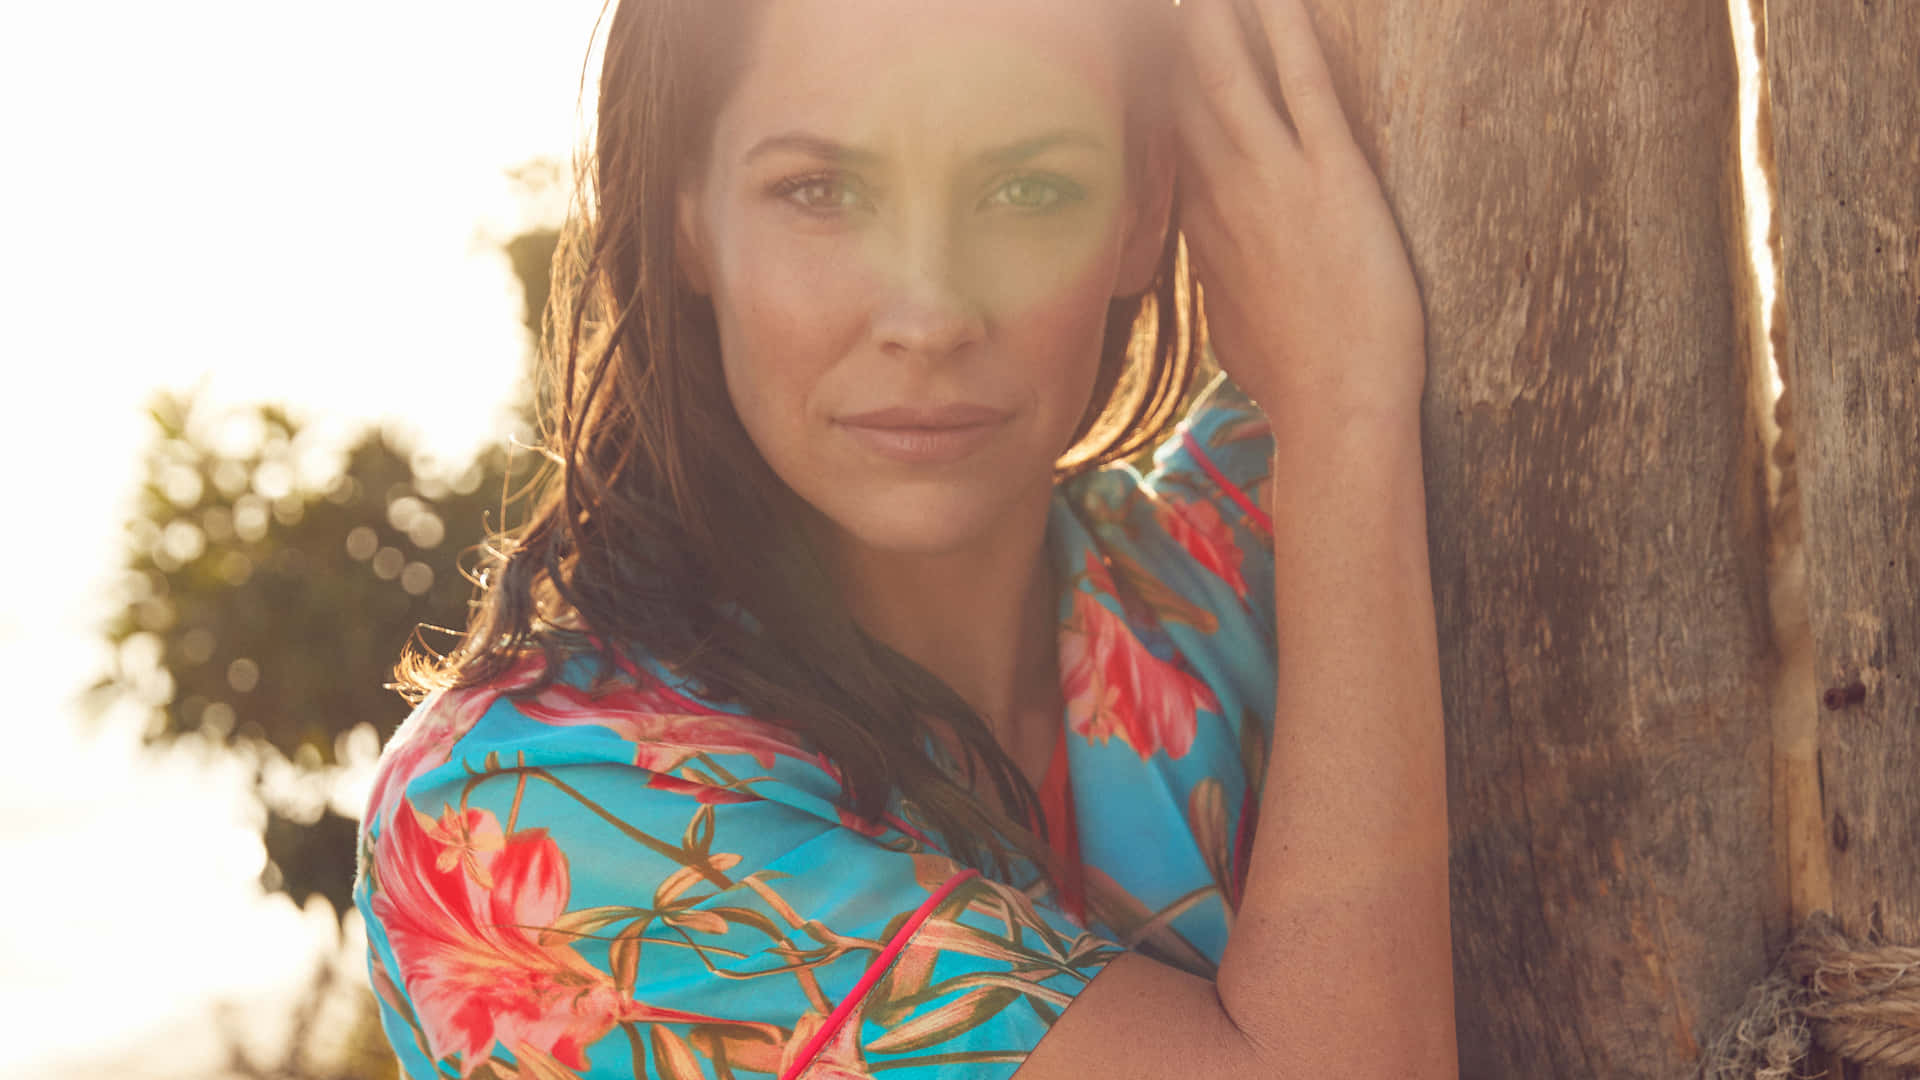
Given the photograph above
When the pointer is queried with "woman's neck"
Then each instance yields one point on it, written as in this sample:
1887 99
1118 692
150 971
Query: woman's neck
982 618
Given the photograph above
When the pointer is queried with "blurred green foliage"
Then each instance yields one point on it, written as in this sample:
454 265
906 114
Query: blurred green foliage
264 612
272 575
271 582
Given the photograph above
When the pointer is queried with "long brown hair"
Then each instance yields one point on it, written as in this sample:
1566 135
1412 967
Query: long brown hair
648 526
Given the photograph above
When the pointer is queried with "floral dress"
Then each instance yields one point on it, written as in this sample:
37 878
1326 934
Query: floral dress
633 882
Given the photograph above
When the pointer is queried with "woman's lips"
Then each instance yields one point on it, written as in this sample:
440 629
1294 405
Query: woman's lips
958 414
930 437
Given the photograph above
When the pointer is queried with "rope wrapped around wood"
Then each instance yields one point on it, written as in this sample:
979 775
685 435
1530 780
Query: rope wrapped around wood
1862 1001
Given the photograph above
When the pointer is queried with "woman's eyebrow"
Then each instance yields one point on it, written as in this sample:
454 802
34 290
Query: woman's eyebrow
1017 152
814 145
1000 157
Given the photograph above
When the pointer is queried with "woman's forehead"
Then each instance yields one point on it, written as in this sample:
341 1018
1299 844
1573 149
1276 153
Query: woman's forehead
873 71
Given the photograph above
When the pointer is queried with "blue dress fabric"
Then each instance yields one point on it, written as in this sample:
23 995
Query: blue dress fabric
632 881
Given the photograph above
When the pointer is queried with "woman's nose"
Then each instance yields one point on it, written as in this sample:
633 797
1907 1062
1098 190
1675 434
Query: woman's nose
929 307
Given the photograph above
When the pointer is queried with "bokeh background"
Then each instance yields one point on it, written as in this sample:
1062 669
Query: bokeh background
268 281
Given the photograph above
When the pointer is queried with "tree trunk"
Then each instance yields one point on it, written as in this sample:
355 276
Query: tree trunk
1845 98
1563 175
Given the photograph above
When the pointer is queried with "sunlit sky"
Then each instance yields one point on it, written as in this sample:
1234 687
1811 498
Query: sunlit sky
280 202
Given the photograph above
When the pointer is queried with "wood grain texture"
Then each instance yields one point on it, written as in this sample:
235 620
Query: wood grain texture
1846 100
1597 506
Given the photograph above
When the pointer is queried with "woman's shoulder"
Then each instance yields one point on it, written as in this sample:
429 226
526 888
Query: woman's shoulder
617 707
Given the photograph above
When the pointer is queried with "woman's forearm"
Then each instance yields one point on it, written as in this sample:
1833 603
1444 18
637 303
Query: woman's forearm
1340 960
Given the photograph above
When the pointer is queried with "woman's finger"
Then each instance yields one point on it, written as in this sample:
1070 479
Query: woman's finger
1225 75
1204 142
1212 248
1301 67
1200 223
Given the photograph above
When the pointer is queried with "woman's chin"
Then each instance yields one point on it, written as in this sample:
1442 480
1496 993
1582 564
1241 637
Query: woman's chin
895 535
929 523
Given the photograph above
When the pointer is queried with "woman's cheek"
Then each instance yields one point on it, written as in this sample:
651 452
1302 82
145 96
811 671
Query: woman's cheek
791 298
789 313
1054 317
1030 265
785 274
1057 286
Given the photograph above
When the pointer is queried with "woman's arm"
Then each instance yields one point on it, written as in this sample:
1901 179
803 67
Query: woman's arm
1339 963
1340 959
1313 306
1347 889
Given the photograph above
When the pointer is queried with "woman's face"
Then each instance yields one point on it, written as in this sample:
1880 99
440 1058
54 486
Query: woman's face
922 211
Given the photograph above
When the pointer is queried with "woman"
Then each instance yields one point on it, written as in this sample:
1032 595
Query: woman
844 708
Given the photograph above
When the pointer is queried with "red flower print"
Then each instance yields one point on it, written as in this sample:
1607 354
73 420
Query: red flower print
665 727
705 793
1198 527
425 742
464 908
1115 687
668 729
1099 576
466 840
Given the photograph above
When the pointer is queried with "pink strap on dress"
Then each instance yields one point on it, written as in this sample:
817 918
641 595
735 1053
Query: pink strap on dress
1230 489
1056 801
838 1017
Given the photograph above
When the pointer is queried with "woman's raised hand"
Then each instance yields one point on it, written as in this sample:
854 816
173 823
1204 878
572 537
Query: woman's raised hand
1310 297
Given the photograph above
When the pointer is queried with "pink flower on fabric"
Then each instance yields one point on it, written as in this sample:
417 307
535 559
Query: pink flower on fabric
669 729
1207 538
1116 688
705 793
464 908
425 742
665 728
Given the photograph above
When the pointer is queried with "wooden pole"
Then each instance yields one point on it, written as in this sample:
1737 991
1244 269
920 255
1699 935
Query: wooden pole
1563 174
1846 103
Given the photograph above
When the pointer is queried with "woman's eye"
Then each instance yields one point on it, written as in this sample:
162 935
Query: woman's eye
820 194
1034 193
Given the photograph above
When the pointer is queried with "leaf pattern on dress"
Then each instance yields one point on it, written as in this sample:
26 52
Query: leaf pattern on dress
1207 817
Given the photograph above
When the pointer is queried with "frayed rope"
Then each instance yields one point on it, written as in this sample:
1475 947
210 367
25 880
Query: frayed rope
1860 1001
